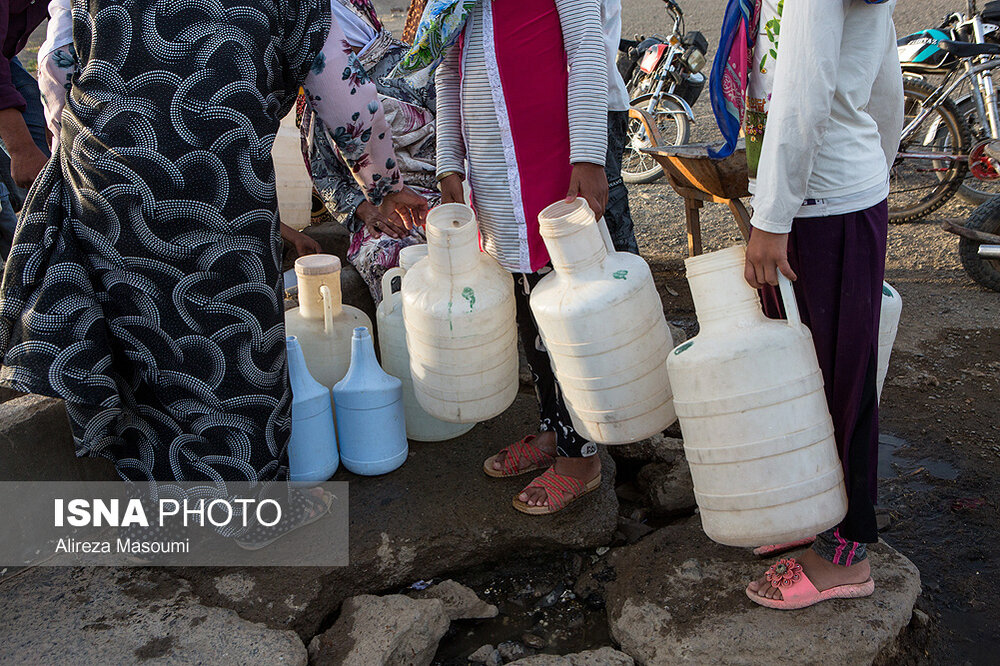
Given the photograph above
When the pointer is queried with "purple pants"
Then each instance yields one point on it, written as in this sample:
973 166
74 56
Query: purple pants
840 264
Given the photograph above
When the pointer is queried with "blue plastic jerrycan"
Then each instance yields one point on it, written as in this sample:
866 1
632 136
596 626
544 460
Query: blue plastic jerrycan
312 449
369 404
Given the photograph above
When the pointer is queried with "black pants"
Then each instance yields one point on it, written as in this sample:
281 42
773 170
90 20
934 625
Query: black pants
553 413
617 215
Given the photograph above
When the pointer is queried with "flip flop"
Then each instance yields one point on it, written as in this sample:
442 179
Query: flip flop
797 591
561 490
522 457
776 549
309 508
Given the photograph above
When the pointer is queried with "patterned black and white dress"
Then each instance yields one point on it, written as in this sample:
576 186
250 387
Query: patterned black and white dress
143 285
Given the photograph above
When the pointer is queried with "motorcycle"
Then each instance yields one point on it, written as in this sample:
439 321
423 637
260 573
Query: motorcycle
663 77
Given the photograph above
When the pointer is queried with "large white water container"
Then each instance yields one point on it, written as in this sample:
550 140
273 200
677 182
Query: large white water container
458 307
292 182
601 319
757 429
322 323
420 426
892 308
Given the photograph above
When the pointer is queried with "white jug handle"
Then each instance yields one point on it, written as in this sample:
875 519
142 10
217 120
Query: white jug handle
602 224
387 279
788 300
324 291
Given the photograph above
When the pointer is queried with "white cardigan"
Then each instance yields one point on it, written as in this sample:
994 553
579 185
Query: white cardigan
835 115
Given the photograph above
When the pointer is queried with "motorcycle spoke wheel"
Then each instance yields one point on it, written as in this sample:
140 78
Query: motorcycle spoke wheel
674 127
919 186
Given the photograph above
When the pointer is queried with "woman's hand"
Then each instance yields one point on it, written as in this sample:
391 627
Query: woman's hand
767 253
451 189
377 224
404 210
590 182
303 244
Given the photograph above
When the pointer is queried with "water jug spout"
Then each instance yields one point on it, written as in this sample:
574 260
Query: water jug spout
314 273
573 237
452 239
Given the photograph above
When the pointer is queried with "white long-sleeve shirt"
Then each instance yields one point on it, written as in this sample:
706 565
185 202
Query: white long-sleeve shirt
835 112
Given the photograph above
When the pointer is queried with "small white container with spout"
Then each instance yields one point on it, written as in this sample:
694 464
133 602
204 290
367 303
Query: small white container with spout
420 426
291 180
458 308
757 429
601 319
312 447
322 323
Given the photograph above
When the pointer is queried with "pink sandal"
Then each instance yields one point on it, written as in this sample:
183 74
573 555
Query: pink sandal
522 457
797 591
561 490
764 551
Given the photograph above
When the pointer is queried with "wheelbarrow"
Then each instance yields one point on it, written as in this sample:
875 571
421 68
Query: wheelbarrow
698 179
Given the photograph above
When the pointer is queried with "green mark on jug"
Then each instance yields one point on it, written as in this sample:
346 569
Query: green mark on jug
469 295
886 291
451 325
683 348
620 275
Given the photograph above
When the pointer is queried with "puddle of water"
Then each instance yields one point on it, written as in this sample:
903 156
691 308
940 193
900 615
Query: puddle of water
535 596
891 464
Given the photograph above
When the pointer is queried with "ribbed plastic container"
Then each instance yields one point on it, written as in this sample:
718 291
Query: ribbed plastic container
892 308
458 307
601 319
757 430
322 323
292 181
312 449
369 405
420 426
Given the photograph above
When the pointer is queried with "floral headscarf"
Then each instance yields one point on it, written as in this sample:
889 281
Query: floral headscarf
440 27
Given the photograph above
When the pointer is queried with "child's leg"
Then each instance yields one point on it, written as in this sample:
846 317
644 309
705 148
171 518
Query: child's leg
553 413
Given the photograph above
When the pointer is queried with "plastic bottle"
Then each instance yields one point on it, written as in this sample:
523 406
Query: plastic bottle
757 430
369 404
458 308
312 448
322 323
601 319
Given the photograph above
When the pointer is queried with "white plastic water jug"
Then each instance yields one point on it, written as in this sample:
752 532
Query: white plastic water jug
420 426
892 308
757 429
292 182
369 406
312 448
601 319
322 323
458 307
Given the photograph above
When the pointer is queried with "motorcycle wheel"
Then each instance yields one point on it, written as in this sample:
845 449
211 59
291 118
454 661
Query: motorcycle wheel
985 271
918 187
675 128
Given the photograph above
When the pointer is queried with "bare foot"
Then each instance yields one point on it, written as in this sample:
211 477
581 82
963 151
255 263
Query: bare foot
545 441
584 469
822 573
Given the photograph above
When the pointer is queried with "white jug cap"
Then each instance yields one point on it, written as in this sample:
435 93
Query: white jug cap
411 254
317 264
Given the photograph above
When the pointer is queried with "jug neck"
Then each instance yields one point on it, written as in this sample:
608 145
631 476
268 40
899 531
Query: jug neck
298 373
572 237
313 298
362 353
722 297
452 239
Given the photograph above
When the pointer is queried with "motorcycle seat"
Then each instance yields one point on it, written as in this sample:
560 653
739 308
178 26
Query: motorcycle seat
968 49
